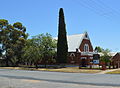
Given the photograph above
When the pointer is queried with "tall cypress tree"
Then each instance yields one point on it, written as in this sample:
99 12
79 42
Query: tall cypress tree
62 47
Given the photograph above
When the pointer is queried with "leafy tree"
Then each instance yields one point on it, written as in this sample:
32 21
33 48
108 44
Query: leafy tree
98 49
40 48
105 57
32 52
62 47
3 36
105 54
12 40
0 51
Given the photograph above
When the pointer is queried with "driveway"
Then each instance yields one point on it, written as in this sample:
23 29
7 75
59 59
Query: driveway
42 79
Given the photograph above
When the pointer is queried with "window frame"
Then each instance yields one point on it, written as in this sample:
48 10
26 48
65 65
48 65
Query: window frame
86 48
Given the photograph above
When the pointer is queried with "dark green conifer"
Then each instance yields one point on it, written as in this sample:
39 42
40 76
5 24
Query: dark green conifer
62 47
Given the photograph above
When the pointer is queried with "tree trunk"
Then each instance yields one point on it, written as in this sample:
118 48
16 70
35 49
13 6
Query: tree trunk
45 63
7 64
36 66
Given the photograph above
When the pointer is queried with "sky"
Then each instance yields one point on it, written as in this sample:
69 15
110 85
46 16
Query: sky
100 18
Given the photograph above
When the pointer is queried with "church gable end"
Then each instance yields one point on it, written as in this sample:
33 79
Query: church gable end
86 46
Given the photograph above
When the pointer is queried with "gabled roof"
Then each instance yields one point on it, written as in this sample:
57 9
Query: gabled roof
116 56
74 41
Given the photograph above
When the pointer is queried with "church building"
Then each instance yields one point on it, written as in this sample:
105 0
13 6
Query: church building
80 50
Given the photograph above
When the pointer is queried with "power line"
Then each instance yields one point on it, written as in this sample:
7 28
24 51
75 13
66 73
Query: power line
91 5
114 11
103 10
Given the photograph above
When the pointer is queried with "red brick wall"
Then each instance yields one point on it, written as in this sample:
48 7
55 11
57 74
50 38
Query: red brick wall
116 61
74 59
85 41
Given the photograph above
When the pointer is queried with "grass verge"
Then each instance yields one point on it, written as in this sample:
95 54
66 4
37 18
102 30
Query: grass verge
114 72
67 69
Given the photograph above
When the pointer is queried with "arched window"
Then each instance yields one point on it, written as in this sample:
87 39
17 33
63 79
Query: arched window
86 48
72 55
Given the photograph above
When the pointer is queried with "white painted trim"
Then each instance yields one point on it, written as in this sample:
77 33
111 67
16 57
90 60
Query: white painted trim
86 47
83 58
72 54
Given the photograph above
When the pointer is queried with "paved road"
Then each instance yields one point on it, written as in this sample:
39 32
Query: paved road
41 79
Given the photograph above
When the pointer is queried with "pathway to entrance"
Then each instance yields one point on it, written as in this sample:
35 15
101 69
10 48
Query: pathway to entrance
110 70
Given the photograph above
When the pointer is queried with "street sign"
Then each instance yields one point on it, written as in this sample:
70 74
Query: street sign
95 61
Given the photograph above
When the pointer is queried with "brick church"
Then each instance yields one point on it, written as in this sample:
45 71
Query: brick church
80 50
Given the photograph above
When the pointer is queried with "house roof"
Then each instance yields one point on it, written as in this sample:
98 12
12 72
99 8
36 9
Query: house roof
116 56
74 41
110 53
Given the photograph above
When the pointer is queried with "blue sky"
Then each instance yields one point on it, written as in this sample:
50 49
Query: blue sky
100 18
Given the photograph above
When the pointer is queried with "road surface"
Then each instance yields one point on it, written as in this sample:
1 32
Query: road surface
43 79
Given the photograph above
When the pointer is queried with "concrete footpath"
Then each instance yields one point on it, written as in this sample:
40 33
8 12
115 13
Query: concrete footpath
106 71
